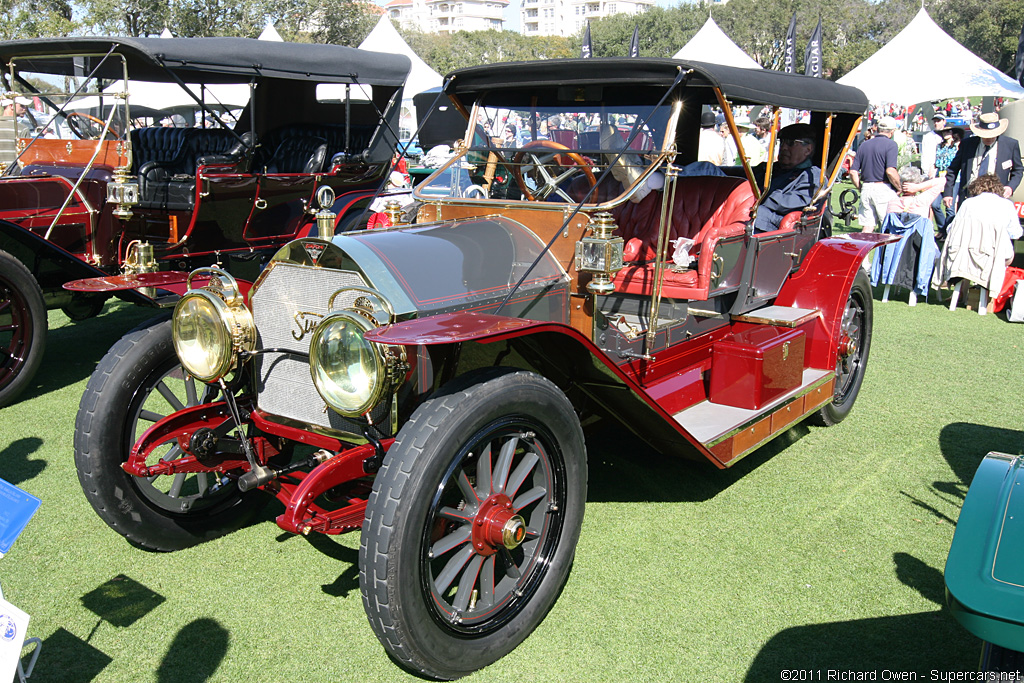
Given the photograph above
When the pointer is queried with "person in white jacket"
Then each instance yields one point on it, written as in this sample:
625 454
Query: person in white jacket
979 244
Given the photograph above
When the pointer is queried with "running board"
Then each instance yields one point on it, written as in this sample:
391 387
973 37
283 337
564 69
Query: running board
730 432
779 316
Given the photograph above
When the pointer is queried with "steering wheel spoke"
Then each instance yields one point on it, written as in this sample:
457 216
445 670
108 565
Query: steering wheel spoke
551 164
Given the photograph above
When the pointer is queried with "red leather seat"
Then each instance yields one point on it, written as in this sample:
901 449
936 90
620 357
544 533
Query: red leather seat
706 209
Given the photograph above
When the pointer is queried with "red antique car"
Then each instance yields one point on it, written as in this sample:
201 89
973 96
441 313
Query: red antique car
94 187
426 383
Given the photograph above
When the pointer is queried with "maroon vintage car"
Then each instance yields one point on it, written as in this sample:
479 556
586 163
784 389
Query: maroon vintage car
426 383
99 184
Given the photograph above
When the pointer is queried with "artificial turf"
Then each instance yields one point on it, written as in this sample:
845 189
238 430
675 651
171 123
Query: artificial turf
822 551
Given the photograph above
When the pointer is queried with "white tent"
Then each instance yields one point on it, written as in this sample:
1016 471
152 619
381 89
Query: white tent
384 38
710 44
923 63
270 33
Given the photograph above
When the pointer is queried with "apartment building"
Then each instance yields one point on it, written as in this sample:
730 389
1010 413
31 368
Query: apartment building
446 16
568 17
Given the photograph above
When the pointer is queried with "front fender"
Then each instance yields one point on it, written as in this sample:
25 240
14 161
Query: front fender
985 567
565 356
51 265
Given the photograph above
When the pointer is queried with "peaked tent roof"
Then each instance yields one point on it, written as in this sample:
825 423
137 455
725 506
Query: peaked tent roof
710 44
950 70
270 33
384 38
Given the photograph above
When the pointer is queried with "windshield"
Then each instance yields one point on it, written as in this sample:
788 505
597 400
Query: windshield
552 153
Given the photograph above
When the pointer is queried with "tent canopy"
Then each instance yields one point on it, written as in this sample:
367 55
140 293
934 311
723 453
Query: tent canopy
384 38
950 69
710 44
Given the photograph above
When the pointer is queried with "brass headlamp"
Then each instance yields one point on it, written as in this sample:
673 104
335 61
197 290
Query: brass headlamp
211 326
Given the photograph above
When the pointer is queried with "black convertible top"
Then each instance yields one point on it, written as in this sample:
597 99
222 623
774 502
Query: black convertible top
208 60
739 85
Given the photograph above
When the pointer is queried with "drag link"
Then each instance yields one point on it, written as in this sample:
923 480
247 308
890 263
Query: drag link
257 478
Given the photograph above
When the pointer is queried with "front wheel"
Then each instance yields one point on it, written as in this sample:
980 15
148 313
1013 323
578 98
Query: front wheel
852 361
22 327
473 521
139 382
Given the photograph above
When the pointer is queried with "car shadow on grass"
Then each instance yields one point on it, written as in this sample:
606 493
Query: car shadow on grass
622 468
927 641
965 444
15 464
73 349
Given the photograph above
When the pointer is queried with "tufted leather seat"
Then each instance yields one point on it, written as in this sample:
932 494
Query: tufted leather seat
166 161
706 209
295 148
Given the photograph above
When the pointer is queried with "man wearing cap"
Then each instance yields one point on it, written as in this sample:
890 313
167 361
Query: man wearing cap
874 173
989 151
795 179
710 146
930 142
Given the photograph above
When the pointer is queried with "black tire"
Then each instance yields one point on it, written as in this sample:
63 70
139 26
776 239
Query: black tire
998 659
855 344
419 510
22 327
356 219
138 382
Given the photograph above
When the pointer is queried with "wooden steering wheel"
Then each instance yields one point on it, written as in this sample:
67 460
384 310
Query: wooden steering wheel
86 127
558 158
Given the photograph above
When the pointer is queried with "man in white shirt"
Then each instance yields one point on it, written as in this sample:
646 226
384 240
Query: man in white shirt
929 143
710 146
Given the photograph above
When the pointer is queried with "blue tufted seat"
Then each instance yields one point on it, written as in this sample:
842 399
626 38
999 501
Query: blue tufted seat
296 148
165 161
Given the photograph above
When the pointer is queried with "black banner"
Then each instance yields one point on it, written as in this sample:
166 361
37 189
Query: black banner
634 45
586 51
812 57
789 60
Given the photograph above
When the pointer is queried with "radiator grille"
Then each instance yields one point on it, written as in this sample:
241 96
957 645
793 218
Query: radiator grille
289 303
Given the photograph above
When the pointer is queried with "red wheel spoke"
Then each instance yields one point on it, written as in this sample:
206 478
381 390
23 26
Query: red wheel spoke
452 569
483 473
522 471
465 590
468 492
504 464
528 498
486 595
451 541
464 516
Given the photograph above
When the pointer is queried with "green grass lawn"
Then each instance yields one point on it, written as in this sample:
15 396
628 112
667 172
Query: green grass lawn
824 550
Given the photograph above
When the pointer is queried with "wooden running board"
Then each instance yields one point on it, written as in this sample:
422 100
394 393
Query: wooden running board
730 433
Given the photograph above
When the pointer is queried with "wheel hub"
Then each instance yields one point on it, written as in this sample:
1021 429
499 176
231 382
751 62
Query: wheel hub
496 524
847 347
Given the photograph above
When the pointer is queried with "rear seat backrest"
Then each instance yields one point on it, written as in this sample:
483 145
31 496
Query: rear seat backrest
701 203
279 141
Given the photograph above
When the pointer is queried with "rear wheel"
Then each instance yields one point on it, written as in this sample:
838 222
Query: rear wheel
22 327
139 382
473 521
854 344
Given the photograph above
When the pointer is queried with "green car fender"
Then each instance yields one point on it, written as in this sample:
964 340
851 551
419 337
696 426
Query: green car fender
985 568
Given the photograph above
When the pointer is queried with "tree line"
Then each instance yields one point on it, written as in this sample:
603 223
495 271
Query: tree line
853 29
